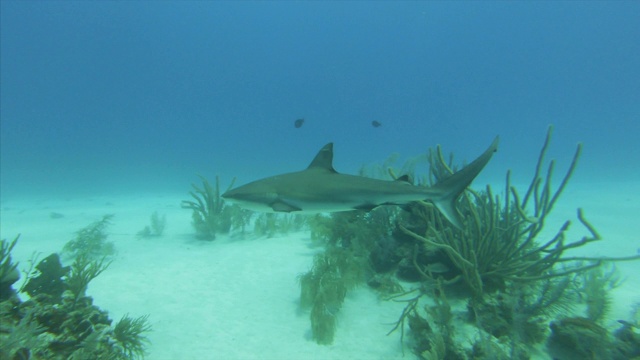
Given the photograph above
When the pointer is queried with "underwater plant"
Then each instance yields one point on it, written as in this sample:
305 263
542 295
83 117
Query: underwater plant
83 270
9 273
240 218
128 333
288 223
158 223
514 282
584 338
432 338
269 224
519 315
210 213
594 289
499 243
579 338
324 287
24 336
91 241
266 224
47 278
349 239
517 282
50 326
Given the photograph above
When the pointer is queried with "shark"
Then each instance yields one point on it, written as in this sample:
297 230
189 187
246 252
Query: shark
320 188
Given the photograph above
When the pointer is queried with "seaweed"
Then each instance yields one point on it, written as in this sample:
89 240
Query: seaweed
288 223
158 224
59 320
23 337
579 338
594 289
128 333
519 315
48 326
266 225
408 310
323 316
83 270
210 213
324 287
434 338
9 273
349 239
240 218
357 229
270 224
91 241
626 341
426 342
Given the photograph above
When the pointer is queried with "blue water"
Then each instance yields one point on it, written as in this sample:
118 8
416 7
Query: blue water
100 97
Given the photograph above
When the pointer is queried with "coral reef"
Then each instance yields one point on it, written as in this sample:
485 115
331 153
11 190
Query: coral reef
47 278
59 321
513 282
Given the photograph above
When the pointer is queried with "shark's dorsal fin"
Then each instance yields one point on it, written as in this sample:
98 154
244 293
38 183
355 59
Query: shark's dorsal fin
324 159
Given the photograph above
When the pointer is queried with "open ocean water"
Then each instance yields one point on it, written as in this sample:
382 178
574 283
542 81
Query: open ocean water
102 96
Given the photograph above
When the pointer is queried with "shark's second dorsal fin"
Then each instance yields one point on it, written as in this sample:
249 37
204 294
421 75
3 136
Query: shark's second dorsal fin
324 159
405 178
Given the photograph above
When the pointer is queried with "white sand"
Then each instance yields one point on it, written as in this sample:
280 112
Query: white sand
236 298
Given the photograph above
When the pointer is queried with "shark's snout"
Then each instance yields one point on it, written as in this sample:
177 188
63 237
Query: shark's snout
241 195
234 194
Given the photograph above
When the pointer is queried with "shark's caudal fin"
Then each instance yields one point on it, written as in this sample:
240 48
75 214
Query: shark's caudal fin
454 185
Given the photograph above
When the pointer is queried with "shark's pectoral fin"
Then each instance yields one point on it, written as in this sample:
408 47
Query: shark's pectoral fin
281 206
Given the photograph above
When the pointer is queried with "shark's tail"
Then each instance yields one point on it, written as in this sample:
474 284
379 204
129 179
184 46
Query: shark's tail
451 187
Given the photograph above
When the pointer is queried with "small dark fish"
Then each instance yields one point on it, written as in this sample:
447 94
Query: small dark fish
376 123
298 123
56 215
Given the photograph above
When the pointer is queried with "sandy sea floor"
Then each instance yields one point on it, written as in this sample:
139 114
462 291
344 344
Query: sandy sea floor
236 297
